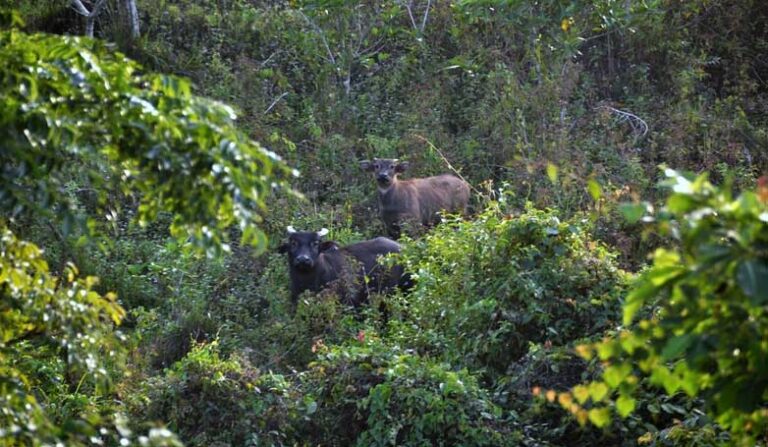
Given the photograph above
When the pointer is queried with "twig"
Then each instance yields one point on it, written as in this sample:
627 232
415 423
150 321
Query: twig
635 121
275 102
78 6
97 7
410 14
409 8
426 14
448 163
322 36
266 61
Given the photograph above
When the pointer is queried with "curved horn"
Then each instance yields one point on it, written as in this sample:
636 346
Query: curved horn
290 229
322 232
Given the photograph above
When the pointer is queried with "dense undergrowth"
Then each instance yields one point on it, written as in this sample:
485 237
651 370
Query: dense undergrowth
556 112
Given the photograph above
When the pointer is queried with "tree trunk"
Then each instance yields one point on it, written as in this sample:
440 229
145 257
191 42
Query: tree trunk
132 17
90 16
90 21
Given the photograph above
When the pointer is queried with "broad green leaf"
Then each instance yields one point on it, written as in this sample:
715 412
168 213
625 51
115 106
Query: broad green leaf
581 393
630 342
614 375
600 416
676 346
633 212
594 189
663 377
712 254
598 391
680 203
607 349
665 258
661 274
752 276
691 381
552 173
625 405
637 298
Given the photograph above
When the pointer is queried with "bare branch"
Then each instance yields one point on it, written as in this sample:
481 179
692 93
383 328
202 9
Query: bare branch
426 15
373 49
90 16
266 61
275 102
639 126
360 36
448 163
78 6
97 7
322 36
408 7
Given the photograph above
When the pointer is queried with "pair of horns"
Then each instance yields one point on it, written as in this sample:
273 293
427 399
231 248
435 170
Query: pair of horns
320 233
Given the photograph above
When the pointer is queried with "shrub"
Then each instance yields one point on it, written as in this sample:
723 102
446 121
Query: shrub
487 288
697 316
209 400
371 393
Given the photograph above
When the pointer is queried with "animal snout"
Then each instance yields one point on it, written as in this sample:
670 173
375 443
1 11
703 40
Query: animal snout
303 261
383 177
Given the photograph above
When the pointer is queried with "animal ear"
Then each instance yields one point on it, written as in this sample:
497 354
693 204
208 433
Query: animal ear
282 248
366 165
402 166
328 246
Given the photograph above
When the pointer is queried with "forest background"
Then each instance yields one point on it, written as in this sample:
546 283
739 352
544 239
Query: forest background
609 289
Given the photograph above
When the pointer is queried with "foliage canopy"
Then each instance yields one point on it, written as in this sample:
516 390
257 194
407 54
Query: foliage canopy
502 90
72 104
696 319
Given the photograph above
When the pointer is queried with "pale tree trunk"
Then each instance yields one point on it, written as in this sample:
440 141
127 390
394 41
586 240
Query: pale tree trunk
132 18
90 16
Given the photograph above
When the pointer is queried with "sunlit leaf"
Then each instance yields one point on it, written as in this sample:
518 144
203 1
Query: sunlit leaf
581 393
594 189
598 391
614 375
600 416
552 173
633 212
625 405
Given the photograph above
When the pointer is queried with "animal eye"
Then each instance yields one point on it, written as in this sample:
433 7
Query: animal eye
315 243
294 244
375 166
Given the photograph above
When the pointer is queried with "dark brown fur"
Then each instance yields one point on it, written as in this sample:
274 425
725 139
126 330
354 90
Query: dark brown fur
315 265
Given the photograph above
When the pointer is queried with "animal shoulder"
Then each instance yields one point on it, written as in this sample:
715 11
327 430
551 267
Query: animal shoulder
445 179
378 244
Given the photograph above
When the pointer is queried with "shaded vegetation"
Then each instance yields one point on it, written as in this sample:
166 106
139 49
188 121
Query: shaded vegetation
535 321
705 331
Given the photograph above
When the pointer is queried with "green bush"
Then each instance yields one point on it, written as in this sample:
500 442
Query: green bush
372 393
76 113
502 89
74 105
488 288
696 319
209 400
